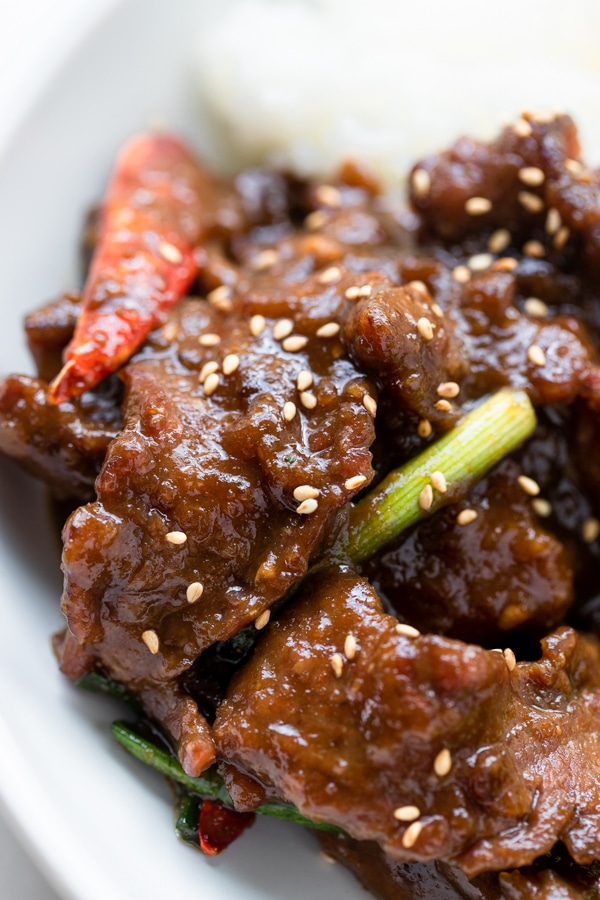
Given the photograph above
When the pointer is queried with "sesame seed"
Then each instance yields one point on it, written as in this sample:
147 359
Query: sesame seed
421 183
208 369
506 264
443 405
261 621
532 176
365 291
220 298
424 428
442 763
438 481
328 195
553 221
307 507
573 166
194 591
466 516
425 328
350 646
352 293
282 328
590 530
304 380
355 482
289 411
265 260
169 331
294 343
544 118
480 262
448 389
326 857
499 240
510 658
223 292
257 325
462 274
308 400
209 340
176 537
528 485
561 237
150 638
330 329
437 309
230 363
211 383
306 492
478 206
531 202
337 664
426 497
535 307
420 287
536 355
370 404
542 507
315 220
522 128
407 813
170 252
407 631
535 249
328 276
411 835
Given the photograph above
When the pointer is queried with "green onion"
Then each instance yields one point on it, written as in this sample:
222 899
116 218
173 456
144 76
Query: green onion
485 436
188 815
208 785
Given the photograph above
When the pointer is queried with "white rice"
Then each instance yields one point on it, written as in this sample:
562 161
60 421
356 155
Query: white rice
307 85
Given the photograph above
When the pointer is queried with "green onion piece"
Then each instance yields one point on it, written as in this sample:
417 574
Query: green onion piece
209 784
485 436
97 683
188 816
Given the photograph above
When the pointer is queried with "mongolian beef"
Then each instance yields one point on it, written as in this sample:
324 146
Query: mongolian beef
319 539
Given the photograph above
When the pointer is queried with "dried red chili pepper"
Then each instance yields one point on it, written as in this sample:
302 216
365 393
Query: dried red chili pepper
220 826
152 218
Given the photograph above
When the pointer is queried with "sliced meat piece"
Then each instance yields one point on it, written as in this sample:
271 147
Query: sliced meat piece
388 879
552 877
65 446
532 183
49 330
216 458
499 173
550 357
399 335
433 748
477 581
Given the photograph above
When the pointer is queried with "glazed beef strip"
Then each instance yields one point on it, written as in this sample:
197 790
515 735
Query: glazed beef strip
553 876
477 580
64 446
322 301
48 331
209 450
433 748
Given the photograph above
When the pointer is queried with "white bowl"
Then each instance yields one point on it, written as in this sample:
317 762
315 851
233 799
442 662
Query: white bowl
99 823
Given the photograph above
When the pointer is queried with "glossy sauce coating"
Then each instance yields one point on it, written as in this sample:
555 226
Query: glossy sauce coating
325 325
